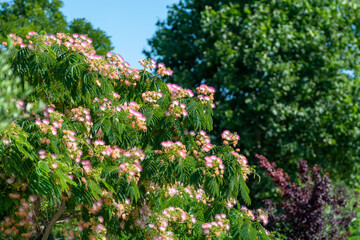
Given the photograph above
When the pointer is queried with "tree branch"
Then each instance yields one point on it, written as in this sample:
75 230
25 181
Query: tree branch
37 205
53 220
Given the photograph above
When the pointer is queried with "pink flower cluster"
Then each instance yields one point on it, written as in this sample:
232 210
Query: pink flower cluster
173 150
25 221
203 141
162 70
230 203
72 146
241 159
206 90
206 94
101 150
133 169
18 41
151 97
123 209
215 163
178 92
216 228
148 63
137 120
95 225
46 127
50 157
230 138
118 67
259 215
140 216
82 115
177 215
170 216
56 121
178 189
199 194
177 110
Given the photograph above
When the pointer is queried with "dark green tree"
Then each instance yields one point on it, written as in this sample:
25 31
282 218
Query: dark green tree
23 16
287 71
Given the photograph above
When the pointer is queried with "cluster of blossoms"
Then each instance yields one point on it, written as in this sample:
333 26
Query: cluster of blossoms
230 138
178 92
216 228
177 110
230 203
50 157
162 70
25 221
133 169
206 94
259 215
123 210
140 217
94 225
18 41
215 163
203 141
198 194
148 63
82 115
178 189
151 97
46 126
137 120
130 168
173 150
170 217
241 159
72 146
130 76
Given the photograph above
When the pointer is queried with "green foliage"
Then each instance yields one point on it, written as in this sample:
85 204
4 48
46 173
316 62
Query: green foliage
286 71
102 160
12 93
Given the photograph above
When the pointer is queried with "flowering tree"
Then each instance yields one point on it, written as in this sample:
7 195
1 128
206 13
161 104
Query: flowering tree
116 152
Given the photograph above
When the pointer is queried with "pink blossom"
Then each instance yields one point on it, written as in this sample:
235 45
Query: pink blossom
41 151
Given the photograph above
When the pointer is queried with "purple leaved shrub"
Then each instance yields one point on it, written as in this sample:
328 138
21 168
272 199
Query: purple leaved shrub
313 208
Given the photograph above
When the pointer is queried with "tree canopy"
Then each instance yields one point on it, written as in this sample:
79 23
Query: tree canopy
286 71
115 152
23 16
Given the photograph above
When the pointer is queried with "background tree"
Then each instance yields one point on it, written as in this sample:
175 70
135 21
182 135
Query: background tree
22 16
287 74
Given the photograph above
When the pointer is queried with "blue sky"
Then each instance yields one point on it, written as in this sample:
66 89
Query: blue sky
129 22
